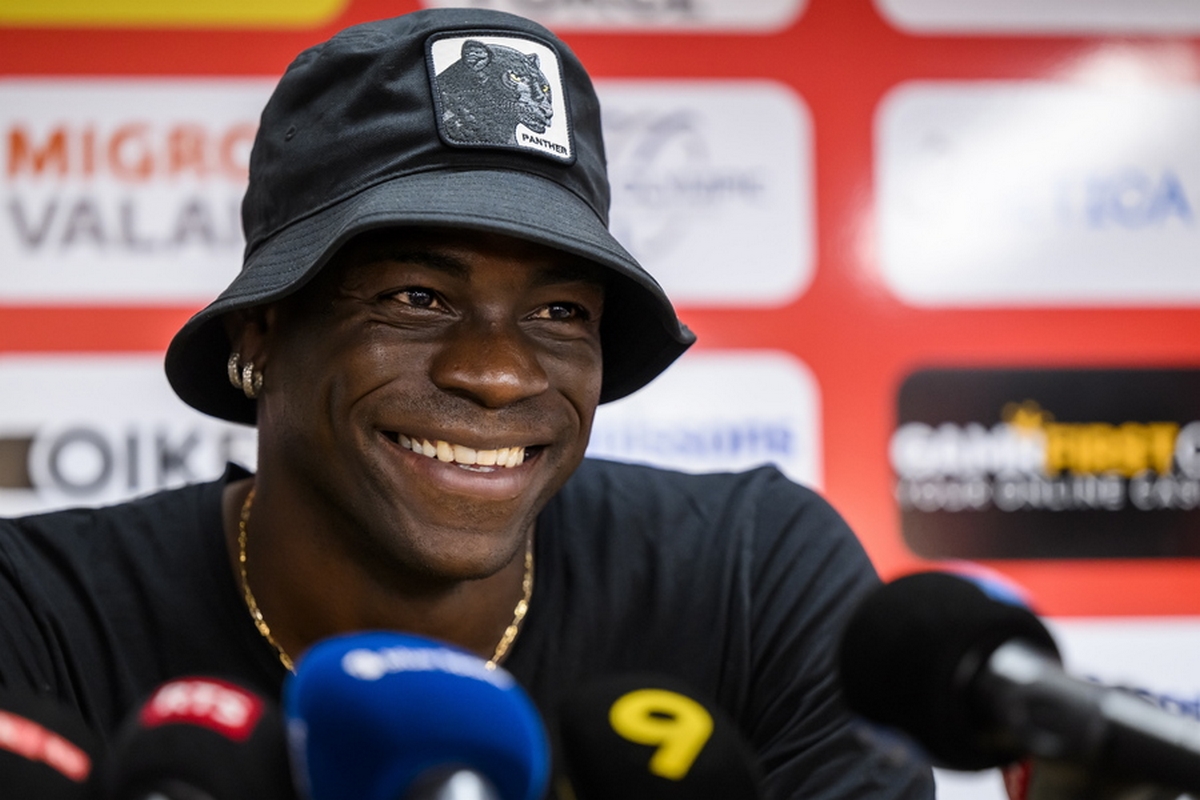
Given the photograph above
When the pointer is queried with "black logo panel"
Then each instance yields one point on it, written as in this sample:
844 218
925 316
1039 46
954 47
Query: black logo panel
1049 463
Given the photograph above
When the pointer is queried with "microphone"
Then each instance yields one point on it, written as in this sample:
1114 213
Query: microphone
391 716
641 735
979 683
200 738
452 783
47 751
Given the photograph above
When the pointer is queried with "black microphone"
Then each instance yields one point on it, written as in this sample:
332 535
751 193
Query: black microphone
200 738
651 736
47 751
978 681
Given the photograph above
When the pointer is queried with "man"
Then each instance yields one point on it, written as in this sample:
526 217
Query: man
430 310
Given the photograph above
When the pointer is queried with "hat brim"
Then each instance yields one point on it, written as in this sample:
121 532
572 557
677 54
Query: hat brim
640 333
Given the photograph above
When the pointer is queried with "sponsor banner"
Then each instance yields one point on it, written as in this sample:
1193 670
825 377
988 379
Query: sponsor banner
655 15
718 411
123 190
78 430
712 179
1045 464
1173 17
170 13
1025 193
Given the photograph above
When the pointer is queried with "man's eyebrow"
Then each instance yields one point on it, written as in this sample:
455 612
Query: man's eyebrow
570 270
573 272
425 258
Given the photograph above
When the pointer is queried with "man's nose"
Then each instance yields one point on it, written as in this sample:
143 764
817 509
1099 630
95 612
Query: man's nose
493 363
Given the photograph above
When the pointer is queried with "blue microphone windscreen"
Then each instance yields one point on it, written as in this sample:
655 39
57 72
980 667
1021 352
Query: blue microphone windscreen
368 714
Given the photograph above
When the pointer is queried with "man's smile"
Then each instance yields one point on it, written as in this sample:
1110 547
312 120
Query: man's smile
473 459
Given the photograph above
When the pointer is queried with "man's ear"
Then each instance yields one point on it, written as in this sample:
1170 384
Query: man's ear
249 333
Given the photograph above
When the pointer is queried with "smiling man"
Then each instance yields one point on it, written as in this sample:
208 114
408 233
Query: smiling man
430 310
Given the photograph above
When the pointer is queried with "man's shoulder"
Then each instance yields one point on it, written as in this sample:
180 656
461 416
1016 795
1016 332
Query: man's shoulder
614 480
168 508
86 592
612 493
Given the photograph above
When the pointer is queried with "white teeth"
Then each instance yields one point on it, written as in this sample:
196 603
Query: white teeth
463 455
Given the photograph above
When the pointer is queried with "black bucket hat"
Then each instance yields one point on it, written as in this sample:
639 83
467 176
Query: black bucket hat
456 118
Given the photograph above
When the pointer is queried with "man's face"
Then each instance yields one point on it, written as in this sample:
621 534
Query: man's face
429 392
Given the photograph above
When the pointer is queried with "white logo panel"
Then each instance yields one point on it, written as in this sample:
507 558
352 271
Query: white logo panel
123 190
655 15
712 187
719 411
1174 17
994 193
78 430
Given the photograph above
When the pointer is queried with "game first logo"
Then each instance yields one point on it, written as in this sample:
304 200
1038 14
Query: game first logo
1049 463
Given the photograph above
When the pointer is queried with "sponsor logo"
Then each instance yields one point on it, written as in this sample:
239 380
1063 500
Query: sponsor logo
715 411
372 665
123 190
219 706
89 431
665 15
1060 16
500 91
1049 464
1037 193
33 742
710 175
170 14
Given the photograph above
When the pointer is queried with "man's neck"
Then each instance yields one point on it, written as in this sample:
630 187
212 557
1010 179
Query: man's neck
309 584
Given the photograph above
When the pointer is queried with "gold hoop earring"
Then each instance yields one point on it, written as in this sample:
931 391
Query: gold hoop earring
233 368
252 380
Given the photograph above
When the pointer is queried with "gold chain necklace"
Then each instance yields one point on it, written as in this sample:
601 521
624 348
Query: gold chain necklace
506 639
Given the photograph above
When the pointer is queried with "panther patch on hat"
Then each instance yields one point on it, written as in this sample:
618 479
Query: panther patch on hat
500 91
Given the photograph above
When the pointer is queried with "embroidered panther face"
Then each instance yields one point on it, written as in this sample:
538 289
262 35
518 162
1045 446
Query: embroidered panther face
489 91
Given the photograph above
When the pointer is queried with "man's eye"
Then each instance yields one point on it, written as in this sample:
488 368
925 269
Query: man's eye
417 297
562 312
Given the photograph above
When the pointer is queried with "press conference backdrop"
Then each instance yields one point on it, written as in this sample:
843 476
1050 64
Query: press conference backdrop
941 255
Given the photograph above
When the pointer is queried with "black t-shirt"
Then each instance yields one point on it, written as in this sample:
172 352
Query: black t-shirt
736 584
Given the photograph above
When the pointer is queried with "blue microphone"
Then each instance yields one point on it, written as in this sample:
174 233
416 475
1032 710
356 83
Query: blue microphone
387 716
